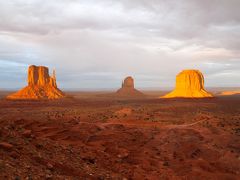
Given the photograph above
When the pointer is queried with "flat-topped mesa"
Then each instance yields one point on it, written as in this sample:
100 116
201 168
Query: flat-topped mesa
40 85
189 84
230 93
128 89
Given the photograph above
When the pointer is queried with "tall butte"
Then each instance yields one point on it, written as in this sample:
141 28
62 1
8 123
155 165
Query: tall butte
40 85
189 84
128 89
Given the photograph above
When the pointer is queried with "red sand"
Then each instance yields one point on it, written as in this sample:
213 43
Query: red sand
99 138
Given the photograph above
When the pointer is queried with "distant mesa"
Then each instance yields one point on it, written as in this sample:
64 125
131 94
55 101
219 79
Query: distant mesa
189 84
40 85
128 89
230 93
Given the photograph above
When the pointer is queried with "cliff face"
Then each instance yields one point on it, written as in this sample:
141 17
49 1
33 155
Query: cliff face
128 82
128 89
39 76
40 85
189 84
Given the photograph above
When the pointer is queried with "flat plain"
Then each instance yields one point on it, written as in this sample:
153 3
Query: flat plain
92 135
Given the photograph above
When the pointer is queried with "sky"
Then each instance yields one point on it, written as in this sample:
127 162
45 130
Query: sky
94 44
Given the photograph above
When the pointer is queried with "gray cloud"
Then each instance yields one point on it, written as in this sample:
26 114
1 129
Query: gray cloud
96 43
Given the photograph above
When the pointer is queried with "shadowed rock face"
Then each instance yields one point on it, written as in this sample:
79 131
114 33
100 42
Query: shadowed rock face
128 82
40 85
128 89
189 84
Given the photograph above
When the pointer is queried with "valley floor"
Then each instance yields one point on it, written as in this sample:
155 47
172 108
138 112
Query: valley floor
104 138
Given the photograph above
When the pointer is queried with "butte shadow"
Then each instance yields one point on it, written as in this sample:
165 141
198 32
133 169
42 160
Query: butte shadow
40 85
189 84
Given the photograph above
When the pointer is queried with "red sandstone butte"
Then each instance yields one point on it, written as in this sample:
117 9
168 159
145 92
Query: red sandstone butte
128 89
189 84
40 85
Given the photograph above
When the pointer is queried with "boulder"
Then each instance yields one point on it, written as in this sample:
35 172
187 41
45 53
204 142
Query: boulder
6 146
189 84
40 85
128 89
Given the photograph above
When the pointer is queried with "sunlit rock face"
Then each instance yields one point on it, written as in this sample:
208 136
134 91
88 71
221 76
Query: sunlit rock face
40 85
128 88
39 76
189 84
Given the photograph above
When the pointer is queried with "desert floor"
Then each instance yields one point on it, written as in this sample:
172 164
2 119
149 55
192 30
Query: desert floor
92 136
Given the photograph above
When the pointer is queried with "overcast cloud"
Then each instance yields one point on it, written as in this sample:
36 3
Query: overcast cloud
95 44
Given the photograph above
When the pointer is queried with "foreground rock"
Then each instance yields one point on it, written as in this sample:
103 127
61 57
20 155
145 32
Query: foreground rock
189 84
6 146
40 85
128 89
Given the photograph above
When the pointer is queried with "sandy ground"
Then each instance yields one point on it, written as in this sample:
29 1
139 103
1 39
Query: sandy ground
92 136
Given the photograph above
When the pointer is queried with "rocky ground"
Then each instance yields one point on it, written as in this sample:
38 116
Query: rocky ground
97 138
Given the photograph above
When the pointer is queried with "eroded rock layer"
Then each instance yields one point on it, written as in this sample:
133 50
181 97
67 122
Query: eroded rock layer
128 88
40 85
189 84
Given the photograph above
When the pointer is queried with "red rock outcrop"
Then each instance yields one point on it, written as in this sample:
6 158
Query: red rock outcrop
189 84
40 85
128 89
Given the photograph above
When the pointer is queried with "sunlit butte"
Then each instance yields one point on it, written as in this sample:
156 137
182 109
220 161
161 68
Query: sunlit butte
40 85
189 84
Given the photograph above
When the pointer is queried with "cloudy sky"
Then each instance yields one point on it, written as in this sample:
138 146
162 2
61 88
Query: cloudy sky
95 43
